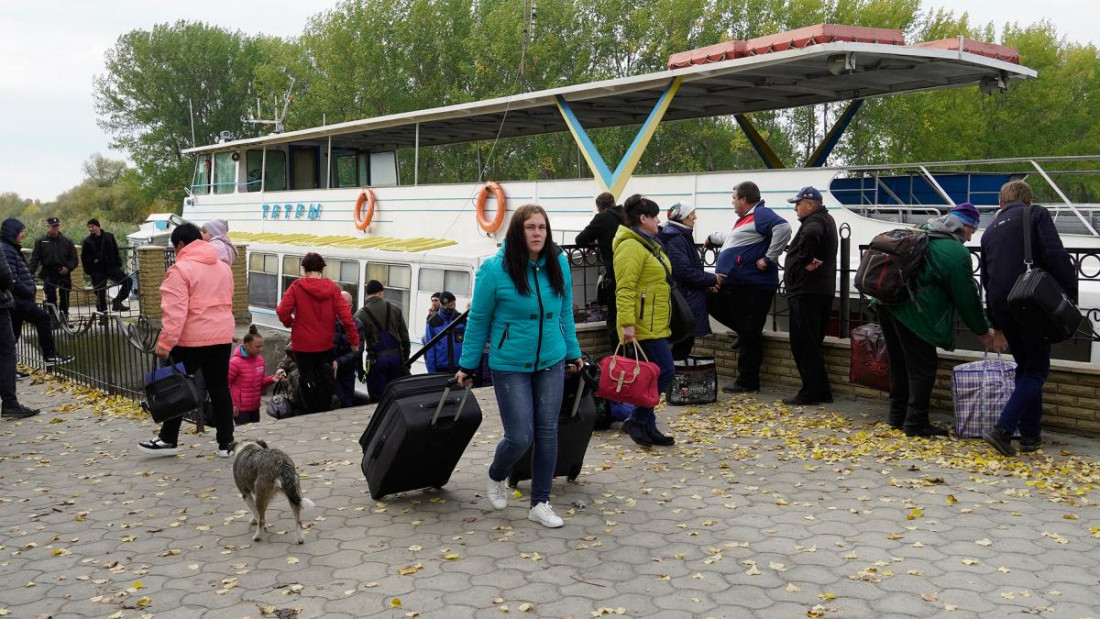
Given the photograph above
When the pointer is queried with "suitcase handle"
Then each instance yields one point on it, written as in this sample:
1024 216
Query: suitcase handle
443 401
577 399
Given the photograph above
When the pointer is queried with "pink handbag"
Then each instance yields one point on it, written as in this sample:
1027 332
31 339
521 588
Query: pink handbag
633 381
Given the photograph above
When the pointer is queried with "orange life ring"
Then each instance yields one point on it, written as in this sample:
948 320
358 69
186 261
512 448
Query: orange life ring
366 197
502 207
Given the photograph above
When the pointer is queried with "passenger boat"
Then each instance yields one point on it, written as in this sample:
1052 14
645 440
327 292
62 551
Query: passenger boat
337 189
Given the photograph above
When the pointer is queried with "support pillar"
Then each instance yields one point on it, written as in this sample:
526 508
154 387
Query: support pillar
241 314
151 272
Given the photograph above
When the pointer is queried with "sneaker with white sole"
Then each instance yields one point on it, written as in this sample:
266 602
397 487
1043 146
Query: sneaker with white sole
223 453
56 359
20 375
157 447
544 515
497 492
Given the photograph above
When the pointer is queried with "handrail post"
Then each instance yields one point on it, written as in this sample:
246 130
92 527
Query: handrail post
845 278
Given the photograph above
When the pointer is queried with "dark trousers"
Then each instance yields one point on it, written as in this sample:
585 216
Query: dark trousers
54 285
682 349
7 362
745 310
345 385
315 380
382 371
659 352
912 372
246 417
1024 410
99 282
27 311
213 362
809 319
612 328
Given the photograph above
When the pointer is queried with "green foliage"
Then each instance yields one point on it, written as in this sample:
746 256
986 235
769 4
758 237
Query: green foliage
367 58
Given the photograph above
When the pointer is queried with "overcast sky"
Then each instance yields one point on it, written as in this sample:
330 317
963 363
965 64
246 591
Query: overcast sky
52 49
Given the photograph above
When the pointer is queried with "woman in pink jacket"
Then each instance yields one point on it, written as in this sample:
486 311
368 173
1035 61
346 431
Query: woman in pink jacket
246 378
196 300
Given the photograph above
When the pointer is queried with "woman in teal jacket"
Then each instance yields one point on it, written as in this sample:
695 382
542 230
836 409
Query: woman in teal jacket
523 306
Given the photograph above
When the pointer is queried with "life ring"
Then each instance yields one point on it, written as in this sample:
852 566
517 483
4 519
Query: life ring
366 197
502 207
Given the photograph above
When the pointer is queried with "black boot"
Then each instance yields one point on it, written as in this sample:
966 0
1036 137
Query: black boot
637 433
1001 441
1029 445
659 439
928 430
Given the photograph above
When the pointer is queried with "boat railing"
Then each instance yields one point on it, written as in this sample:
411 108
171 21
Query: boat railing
929 187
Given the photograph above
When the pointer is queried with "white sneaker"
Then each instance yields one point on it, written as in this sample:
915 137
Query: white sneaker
544 515
497 491
157 447
223 453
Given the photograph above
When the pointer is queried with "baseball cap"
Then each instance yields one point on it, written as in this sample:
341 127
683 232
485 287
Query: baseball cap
807 193
446 297
53 221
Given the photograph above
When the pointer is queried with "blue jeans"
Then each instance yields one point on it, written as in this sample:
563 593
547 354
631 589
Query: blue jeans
659 352
529 403
1024 409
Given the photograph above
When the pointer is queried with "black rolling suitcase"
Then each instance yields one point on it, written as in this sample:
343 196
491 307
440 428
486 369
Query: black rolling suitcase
575 424
417 434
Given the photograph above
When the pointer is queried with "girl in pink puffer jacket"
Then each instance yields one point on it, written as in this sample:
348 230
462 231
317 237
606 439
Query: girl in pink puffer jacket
247 379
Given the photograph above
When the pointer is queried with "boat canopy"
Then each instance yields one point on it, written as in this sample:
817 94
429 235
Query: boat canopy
791 71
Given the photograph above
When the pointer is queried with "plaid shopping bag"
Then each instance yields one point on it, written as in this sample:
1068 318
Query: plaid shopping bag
981 389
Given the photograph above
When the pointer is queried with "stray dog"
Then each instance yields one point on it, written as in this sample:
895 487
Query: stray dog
260 472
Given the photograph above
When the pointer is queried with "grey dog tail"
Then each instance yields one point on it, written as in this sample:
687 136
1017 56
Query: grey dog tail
288 479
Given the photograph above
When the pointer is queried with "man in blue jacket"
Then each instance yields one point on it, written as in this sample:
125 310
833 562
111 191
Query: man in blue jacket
750 261
1002 262
24 309
11 408
444 356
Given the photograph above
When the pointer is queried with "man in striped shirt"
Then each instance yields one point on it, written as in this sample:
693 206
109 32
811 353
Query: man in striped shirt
749 259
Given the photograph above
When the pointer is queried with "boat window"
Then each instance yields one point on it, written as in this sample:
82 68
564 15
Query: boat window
275 179
397 279
292 270
263 280
303 166
438 280
225 173
200 185
383 169
345 172
346 275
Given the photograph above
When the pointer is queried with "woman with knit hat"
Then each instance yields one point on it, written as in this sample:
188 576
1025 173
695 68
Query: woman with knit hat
687 269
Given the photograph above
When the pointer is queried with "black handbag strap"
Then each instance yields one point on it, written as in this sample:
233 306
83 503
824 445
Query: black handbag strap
668 274
1027 237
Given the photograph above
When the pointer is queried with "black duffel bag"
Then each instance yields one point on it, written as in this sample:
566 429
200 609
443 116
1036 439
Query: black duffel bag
171 392
1038 302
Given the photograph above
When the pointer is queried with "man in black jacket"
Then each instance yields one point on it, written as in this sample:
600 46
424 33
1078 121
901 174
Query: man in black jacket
99 255
1002 262
601 233
57 256
810 276
11 408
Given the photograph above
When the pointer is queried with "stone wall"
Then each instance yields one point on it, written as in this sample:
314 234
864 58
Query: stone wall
1071 398
151 273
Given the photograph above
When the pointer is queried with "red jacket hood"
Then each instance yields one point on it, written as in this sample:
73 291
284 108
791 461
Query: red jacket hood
320 288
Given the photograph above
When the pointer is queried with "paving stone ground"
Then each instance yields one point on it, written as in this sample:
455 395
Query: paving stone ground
758 511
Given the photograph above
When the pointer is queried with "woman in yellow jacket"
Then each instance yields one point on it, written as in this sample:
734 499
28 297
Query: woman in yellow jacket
643 299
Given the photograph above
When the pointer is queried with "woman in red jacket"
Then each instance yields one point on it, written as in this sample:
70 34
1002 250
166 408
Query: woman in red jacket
247 379
309 309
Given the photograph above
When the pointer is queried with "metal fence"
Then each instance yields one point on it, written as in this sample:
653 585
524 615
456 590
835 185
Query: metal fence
850 309
111 350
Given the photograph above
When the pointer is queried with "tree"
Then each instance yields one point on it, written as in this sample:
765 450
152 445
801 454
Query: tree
158 82
103 171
